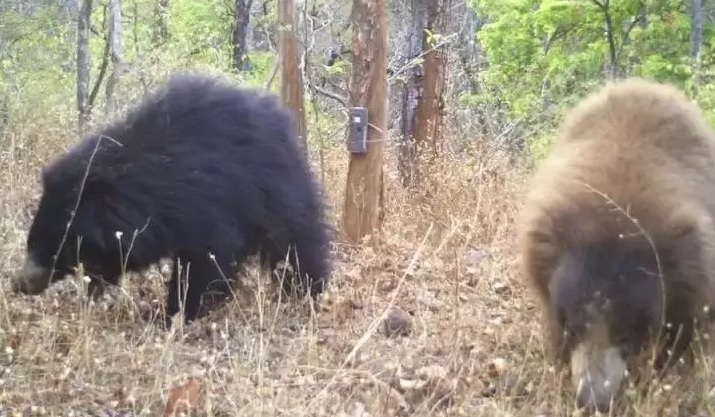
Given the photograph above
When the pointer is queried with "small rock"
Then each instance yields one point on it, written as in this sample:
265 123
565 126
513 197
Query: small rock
397 323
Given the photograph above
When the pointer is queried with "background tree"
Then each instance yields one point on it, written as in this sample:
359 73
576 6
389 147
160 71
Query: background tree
291 76
412 79
696 35
368 88
160 31
431 106
242 20
543 56
83 104
114 41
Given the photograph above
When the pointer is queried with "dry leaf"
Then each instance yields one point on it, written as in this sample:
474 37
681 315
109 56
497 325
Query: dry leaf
183 398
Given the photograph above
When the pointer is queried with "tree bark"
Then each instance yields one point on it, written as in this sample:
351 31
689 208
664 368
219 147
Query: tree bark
115 52
291 77
261 38
469 53
83 107
696 32
411 93
240 32
471 59
612 66
362 215
161 24
430 108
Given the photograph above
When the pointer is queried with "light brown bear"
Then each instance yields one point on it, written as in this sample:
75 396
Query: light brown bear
617 234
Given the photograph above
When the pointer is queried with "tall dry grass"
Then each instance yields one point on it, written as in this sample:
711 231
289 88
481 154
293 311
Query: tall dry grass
445 257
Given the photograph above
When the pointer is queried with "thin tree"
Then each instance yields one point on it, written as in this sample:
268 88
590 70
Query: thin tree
83 106
614 68
240 31
291 77
362 214
160 33
114 40
428 133
411 92
696 36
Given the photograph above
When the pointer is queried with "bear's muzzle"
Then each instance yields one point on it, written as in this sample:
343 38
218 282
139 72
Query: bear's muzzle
598 374
32 279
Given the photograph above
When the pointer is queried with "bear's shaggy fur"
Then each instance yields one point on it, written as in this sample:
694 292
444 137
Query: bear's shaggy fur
616 233
202 172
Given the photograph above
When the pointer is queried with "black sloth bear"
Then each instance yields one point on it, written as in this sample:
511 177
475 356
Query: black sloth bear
202 172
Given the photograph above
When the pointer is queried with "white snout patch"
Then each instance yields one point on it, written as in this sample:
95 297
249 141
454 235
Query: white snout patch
597 375
32 279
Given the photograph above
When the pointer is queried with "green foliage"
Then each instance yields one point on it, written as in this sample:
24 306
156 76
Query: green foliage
540 145
339 68
36 61
38 48
544 55
38 52
262 69
201 31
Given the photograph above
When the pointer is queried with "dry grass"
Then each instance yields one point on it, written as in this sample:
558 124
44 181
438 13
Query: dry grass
445 257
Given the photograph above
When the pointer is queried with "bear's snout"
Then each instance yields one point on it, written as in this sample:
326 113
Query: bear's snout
598 375
32 279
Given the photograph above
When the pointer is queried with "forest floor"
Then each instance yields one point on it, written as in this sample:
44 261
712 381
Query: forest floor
446 259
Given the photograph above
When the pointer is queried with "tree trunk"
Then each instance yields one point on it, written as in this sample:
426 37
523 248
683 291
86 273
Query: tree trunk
411 93
430 108
362 215
472 60
611 69
259 30
161 24
240 31
291 77
83 107
696 33
469 51
115 52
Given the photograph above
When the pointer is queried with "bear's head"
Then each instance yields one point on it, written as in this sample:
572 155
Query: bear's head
616 299
72 225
